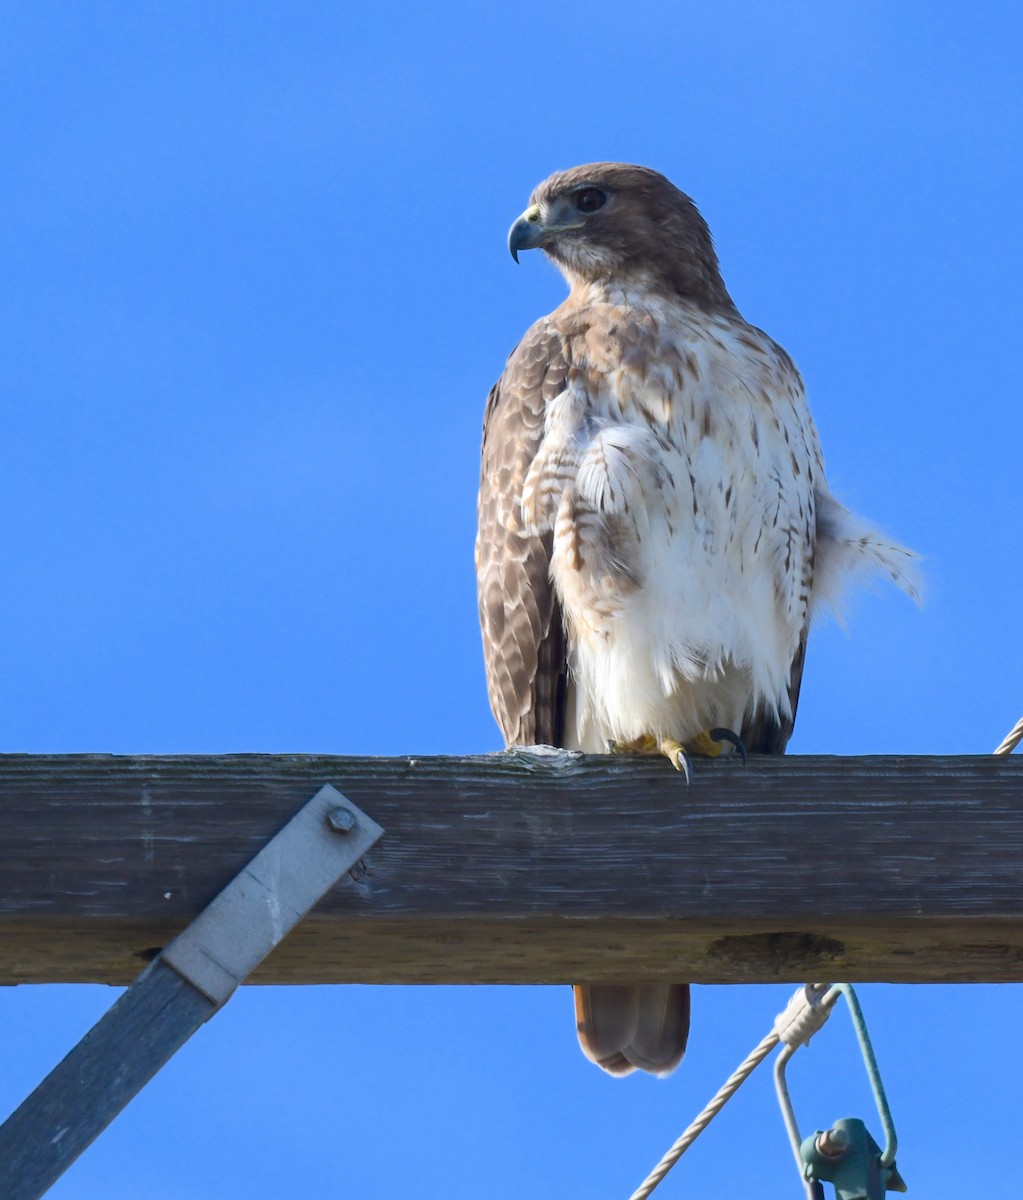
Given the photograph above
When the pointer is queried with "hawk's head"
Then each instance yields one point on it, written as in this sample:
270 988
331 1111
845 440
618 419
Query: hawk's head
618 222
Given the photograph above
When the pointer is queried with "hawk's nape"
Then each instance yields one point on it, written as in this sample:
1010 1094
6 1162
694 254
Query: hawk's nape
655 528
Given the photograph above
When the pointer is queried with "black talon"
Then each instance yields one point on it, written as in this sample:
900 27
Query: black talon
733 739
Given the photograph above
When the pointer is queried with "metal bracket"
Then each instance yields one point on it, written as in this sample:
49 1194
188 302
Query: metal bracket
267 899
181 989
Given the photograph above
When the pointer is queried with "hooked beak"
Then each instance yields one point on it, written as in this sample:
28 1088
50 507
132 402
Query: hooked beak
531 230
527 233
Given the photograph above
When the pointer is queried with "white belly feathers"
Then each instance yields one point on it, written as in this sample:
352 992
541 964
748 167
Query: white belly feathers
677 471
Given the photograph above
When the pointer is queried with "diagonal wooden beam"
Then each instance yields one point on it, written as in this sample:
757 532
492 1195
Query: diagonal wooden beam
532 868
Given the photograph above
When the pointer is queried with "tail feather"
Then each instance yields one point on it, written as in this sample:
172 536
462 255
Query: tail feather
850 549
625 1027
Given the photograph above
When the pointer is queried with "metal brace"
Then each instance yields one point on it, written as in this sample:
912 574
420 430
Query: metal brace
267 898
181 989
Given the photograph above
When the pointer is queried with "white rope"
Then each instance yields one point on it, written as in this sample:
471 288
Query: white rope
724 1094
1012 739
804 1014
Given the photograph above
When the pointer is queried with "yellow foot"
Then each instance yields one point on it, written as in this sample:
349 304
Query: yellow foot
720 738
711 743
714 742
675 753
706 744
647 744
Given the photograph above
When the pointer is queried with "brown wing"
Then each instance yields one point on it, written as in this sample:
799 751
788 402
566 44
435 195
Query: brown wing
764 733
523 634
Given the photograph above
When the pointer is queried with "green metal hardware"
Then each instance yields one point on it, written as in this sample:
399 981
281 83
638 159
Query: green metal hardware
844 1155
848 1157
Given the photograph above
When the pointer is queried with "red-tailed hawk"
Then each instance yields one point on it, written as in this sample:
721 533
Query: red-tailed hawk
655 529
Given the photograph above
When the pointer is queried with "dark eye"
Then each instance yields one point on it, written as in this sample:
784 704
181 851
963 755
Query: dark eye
589 199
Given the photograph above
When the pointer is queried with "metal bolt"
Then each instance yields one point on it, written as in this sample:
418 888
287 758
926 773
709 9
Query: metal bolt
341 820
832 1143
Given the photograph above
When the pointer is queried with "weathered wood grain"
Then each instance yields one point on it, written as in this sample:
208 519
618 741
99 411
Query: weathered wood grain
530 869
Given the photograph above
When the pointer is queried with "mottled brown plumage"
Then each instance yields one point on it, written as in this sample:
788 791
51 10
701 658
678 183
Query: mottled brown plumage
518 609
654 523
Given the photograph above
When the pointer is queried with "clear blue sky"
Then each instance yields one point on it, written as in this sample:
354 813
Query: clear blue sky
255 289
